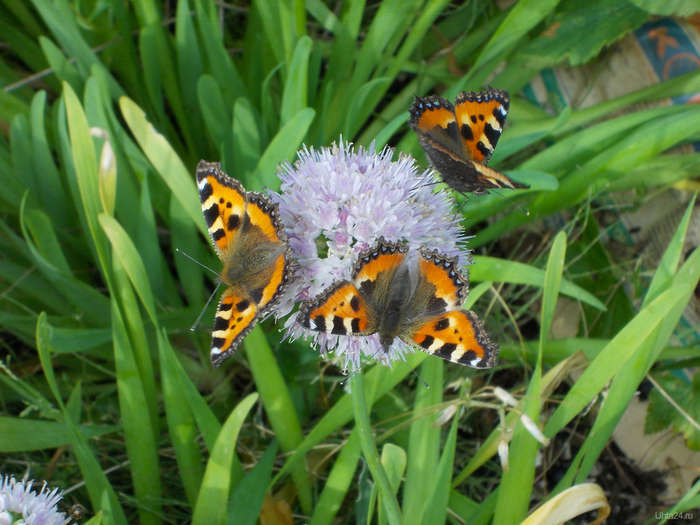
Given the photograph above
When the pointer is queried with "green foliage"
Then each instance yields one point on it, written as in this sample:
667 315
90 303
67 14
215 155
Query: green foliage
662 414
95 303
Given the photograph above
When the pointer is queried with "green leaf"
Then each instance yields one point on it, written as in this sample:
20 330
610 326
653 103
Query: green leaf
138 424
181 422
359 108
277 401
340 478
294 97
423 444
579 31
672 256
662 414
361 410
679 8
165 160
378 381
217 114
614 356
101 493
552 283
282 147
212 502
23 435
521 18
439 495
393 459
247 144
130 259
246 501
217 55
487 268
85 168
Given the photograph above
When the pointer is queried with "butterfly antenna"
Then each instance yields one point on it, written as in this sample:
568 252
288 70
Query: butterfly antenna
425 384
178 250
199 317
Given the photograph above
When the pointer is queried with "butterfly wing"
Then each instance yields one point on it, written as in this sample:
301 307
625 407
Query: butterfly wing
248 237
442 285
375 268
459 140
434 121
339 310
235 317
223 204
457 336
266 235
480 117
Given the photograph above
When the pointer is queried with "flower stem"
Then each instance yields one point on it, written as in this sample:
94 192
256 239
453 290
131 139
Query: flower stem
369 449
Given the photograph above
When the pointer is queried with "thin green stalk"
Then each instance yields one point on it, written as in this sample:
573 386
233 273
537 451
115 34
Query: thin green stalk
391 506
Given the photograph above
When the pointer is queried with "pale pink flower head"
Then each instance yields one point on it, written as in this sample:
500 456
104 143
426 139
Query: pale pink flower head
336 202
20 505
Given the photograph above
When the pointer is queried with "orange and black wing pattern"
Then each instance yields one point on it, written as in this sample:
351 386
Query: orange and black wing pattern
248 237
339 310
451 285
263 216
223 204
375 267
481 116
235 317
434 121
459 139
457 336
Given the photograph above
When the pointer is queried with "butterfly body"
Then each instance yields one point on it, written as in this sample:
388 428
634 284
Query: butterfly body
248 238
459 139
418 301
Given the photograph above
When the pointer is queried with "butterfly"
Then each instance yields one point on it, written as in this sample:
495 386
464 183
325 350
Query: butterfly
416 301
248 238
460 139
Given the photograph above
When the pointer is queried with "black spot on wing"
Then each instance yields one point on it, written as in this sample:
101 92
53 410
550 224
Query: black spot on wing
442 324
483 148
338 326
427 342
233 221
355 325
218 234
206 192
211 214
224 307
500 117
467 132
242 305
436 304
491 134
445 351
469 356
355 303
216 342
320 323
220 324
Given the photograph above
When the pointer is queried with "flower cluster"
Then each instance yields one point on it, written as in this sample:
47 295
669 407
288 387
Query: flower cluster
336 202
20 505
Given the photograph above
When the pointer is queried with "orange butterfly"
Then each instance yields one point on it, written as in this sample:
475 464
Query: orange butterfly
421 307
460 139
248 238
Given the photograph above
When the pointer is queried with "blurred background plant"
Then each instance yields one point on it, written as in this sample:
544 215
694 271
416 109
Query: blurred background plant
107 106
